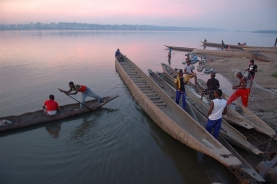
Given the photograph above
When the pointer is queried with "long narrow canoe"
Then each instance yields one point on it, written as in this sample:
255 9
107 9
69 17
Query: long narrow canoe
197 116
231 134
171 118
224 53
234 46
245 116
39 117
253 119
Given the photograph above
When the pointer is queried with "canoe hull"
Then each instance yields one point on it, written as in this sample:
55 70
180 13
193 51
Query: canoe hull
197 138
39 117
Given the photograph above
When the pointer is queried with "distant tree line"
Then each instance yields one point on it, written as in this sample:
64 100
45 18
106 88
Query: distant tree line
85 26
266 31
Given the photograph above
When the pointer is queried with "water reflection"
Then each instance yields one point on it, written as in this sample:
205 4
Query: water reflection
53 129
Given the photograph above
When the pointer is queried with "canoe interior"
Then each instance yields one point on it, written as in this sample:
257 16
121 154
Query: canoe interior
246 168
170 117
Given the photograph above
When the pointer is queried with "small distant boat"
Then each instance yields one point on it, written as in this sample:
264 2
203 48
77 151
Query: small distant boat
171 118
39 117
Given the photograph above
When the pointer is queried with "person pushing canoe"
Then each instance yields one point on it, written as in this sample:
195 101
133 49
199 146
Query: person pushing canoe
85 92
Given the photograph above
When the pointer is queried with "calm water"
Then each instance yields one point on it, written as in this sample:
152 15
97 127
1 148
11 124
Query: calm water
118 143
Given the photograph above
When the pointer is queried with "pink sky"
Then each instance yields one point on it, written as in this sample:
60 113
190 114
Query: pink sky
231 15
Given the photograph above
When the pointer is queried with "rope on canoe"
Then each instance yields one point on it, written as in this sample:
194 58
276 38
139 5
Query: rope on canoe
242 178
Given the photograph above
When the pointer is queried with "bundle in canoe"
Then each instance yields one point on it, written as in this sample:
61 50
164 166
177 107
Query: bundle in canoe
231 134
171 118
39 117
197 116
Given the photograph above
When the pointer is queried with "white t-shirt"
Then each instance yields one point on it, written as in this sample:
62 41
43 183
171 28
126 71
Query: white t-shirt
188 68
219 105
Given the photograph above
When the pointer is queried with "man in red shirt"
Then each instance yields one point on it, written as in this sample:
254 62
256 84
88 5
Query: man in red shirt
51 106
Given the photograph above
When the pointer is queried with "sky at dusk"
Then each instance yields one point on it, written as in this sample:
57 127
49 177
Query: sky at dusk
230 15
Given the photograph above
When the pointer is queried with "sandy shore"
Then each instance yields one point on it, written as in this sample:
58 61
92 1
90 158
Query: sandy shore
262 101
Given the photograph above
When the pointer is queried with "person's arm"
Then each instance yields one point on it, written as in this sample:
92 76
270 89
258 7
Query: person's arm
66 91
224 111
77 87
239 86
211 108
255 70
217 85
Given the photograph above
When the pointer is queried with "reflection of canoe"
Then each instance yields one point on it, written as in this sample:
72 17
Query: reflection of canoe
233 46
170 91
235 137
39 117
171 118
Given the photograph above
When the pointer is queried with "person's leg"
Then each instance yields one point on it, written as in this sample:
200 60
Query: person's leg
84 95
217 127
94 95
184 103
178 95
234 96
244 97
209 125
195 79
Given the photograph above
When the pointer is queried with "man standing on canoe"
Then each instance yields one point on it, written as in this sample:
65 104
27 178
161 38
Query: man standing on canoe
217 109
85 92
212 85
243 90
51 106
189 74
180 88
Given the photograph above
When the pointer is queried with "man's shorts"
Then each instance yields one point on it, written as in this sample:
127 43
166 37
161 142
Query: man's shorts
188 77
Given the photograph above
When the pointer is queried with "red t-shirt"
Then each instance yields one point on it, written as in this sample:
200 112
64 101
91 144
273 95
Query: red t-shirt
51 105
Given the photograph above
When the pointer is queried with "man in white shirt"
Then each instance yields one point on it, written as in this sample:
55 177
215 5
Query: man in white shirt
217 109
189 74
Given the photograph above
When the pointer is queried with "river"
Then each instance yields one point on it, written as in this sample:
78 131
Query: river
118 143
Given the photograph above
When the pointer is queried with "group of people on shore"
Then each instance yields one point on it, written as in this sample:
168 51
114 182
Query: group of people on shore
51 107
218 105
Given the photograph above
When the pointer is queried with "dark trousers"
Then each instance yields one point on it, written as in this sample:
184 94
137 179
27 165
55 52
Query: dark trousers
178 96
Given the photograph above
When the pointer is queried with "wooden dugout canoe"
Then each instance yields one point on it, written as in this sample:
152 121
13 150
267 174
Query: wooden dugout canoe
223 53
231 134
233 46
197 116
39 117
171 118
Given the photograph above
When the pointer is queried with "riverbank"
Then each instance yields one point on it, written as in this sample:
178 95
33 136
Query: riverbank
262 101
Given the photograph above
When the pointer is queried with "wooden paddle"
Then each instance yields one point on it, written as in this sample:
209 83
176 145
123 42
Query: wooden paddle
75 100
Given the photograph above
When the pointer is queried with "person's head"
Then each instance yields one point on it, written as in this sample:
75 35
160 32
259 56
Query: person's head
252 61
188 62
71 84
180 73
239 75
117 49
217 93
51 97
213 75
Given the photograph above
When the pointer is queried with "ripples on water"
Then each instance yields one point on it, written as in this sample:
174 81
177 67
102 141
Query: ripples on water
118 143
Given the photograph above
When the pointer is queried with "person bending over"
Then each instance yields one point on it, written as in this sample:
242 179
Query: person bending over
85 92
242 90
212 85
